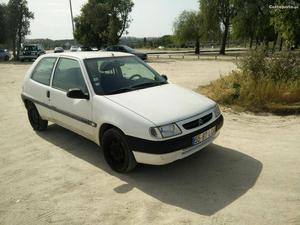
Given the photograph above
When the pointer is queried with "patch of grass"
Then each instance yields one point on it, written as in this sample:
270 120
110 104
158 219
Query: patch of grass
262 84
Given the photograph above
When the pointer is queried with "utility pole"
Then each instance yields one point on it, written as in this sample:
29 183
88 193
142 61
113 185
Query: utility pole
72 19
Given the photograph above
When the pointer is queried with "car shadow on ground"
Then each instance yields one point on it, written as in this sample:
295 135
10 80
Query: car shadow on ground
203 183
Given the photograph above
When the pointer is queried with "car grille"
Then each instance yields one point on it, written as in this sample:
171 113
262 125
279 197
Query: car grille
198 122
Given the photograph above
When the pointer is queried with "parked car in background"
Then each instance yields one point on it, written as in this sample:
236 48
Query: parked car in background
73 49
84 49
58 50
122 104
4 55
124 48
31 51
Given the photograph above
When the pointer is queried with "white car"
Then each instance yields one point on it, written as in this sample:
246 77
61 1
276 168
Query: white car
122 104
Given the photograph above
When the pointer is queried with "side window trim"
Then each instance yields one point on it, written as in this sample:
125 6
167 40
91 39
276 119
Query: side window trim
53 69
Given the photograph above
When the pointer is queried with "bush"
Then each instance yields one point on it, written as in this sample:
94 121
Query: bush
262 83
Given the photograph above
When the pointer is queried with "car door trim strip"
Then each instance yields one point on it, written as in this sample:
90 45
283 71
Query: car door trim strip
71 115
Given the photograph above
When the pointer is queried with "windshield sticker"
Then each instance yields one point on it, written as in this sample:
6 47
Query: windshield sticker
97 84
96 79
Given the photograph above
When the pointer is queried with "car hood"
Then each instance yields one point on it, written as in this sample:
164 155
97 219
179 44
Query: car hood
163 104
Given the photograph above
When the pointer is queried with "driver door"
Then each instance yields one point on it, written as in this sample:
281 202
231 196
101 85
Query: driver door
75 114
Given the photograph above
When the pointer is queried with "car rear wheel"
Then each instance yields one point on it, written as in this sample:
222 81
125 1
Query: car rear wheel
6 58
116 151
35 119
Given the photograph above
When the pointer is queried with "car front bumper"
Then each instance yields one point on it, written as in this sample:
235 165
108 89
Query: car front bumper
164 152
162 159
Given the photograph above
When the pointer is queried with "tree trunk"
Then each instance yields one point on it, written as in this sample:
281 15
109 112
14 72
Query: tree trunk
14 48
197 47
266 45
274 44
251 41
224 38
280 44
19 42
256 43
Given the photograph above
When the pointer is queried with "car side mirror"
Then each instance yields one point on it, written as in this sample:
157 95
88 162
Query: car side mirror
165 77
76 93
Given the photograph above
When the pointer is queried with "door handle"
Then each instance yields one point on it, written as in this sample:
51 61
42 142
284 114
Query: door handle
48 94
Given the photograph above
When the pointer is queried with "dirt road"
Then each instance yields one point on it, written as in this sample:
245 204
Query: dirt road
249 176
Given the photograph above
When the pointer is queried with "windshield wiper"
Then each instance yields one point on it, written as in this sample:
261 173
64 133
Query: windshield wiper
135 87
148 84
121 90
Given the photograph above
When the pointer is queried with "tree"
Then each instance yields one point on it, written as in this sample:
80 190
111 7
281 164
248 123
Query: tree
252 21
245 23
287 22
226 11
211 23
187 28
19 18
103 22
3 30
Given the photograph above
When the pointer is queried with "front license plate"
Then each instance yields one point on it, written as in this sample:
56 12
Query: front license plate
198 139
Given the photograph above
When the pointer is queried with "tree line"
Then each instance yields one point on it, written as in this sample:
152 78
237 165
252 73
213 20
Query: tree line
15 19
257 21
102 22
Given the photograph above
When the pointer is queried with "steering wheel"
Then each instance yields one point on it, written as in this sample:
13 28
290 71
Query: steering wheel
135 75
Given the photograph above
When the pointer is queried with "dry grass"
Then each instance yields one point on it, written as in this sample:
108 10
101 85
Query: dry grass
264 95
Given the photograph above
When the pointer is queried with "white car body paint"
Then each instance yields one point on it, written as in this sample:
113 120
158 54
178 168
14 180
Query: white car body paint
134 113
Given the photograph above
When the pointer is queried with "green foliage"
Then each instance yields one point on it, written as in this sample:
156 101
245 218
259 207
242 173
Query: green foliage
3 26
102 22
187 28
211 23
287 22
282 67
261 84
18 23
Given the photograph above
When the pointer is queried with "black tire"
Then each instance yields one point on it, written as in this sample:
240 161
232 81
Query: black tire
36 122
116 151
6 58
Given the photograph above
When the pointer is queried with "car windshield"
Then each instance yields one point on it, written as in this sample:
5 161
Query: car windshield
30 48
121 74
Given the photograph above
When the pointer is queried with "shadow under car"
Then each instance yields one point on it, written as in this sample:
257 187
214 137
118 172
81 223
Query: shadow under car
203 183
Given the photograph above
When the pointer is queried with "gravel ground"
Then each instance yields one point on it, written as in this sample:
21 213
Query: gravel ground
250 175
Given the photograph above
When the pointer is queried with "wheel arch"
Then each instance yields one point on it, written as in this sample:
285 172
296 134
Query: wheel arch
104 127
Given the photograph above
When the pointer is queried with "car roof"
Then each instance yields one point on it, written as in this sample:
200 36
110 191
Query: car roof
88 55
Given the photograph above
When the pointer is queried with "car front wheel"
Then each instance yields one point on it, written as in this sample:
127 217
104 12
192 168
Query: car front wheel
116 151
35 119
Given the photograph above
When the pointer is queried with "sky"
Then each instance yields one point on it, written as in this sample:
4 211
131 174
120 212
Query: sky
151 18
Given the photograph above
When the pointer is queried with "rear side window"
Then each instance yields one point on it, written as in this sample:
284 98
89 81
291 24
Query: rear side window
68 75
42 72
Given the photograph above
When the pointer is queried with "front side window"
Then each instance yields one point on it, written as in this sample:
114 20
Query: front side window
68 75
121 74
42 72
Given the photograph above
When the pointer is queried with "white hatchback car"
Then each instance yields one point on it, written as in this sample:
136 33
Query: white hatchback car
122 104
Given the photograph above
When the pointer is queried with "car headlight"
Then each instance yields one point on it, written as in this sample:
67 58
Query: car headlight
165 131
217 111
